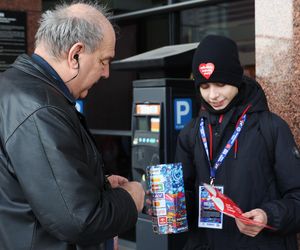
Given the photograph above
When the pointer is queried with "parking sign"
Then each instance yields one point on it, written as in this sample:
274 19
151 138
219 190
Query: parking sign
182 112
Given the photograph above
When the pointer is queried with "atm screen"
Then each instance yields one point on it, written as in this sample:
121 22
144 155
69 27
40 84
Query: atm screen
142 123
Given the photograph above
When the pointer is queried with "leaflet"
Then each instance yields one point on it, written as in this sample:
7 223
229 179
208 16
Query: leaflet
225 205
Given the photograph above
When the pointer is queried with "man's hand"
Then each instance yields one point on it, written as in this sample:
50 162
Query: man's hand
135 189
256 215
116 180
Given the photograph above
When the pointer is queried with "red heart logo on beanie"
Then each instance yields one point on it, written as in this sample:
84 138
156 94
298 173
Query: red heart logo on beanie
206 69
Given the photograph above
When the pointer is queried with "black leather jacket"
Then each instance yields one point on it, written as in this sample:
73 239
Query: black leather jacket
52 185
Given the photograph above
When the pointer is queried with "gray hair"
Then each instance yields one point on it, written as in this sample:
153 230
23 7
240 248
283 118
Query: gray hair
61 28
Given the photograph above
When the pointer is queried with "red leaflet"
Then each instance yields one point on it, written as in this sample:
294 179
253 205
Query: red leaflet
225 205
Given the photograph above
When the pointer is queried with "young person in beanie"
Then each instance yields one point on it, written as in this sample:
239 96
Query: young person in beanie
228 145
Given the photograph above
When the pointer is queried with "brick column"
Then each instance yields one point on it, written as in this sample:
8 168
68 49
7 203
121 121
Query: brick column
277 42
277 57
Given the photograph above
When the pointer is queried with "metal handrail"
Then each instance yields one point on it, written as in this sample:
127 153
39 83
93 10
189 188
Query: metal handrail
164 9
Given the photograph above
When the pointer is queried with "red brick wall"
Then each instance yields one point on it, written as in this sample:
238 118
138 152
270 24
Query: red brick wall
33 9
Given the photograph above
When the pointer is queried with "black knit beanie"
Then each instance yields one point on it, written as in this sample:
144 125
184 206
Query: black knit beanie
217 60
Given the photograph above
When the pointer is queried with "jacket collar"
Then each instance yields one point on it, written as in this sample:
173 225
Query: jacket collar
39 68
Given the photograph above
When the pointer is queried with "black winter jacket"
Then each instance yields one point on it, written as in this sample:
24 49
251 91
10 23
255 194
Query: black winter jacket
52 185
253 179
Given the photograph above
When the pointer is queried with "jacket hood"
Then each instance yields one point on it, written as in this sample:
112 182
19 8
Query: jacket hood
252 94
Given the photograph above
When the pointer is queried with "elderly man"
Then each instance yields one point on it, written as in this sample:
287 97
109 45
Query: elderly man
53 189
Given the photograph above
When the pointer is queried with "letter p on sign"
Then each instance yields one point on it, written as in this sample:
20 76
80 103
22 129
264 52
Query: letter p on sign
182 112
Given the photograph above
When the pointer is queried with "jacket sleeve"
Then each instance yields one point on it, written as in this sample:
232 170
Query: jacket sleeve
50 162
185 155
284 214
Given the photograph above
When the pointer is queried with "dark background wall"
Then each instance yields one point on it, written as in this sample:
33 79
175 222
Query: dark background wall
33 9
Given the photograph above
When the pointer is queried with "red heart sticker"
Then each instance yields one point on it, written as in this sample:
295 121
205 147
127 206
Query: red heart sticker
206 69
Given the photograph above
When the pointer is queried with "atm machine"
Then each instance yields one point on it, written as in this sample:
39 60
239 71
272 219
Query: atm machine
164 100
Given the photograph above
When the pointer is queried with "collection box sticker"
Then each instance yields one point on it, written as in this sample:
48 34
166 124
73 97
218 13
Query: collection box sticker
168 198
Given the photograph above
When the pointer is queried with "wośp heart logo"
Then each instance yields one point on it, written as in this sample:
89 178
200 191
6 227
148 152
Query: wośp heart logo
206 69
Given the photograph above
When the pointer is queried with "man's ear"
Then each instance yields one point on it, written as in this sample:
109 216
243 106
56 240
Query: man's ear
74 54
